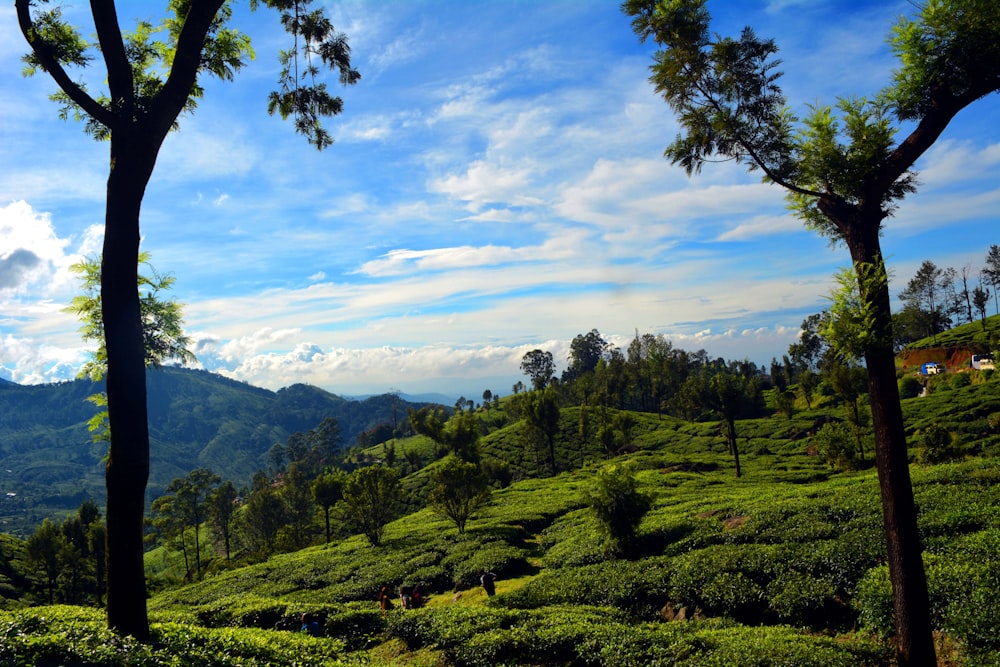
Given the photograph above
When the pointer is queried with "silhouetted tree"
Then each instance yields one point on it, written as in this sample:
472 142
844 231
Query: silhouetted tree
149 85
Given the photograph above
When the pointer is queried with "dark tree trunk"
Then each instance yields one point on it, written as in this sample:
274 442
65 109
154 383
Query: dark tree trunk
733 445
132 161
911 606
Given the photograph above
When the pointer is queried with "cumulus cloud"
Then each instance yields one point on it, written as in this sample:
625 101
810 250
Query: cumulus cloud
485 183
35 261
29 361
15 267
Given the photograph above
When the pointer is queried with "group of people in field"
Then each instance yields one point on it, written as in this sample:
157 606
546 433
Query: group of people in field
412 597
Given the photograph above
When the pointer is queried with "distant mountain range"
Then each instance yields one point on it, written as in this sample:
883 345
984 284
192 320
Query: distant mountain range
49 463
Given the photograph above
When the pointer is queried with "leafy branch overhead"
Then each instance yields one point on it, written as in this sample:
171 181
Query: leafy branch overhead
147 65
727 98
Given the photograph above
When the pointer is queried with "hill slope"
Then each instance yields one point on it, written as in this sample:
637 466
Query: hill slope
781 566
196 419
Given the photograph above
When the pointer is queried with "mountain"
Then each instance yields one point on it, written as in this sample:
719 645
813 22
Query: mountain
196 420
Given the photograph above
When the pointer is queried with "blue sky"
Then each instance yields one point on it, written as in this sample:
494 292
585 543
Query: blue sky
497 185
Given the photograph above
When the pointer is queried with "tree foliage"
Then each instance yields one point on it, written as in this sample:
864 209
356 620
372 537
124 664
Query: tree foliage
371 499
844 173
328 490
618 505
153 76
164 339
539 367
458 489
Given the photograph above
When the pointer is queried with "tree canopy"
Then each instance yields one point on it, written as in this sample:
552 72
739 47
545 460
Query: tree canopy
844 172
153 75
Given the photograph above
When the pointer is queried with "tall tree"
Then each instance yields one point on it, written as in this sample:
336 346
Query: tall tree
461 435
585 350
925 296
731 396
981 299
221 509
539 366
992 273
327 490
540 409
185 507
296 494
151 79
43 549
844 173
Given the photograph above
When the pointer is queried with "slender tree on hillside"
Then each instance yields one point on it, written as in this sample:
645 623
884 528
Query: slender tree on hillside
992 273
925 297
540 409
845 173
327 490
221 510
981 299
152 77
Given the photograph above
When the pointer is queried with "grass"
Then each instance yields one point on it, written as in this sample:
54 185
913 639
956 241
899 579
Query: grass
782 566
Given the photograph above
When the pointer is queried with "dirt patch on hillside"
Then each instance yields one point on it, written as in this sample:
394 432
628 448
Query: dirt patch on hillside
728 522
954 358
734 522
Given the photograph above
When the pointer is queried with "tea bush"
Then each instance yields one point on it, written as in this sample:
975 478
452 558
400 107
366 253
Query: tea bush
637 587
78 637
962 595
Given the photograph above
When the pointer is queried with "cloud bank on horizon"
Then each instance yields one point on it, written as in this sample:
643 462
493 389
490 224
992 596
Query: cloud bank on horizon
497 185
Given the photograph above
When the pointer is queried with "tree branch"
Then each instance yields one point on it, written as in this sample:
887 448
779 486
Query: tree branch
109 35
48 61
173 96
943 107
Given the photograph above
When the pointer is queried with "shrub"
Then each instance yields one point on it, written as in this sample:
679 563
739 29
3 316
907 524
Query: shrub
837 445
937 445
498 557
618 505
909 387
962 592
959 380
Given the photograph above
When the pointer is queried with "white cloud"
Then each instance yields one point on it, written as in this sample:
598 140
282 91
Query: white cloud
762 225
950 162
34 261
485 183
30 361
397 262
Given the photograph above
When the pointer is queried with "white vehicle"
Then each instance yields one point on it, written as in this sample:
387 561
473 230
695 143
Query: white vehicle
982 362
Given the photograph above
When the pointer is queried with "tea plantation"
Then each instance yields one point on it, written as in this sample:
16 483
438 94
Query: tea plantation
782 566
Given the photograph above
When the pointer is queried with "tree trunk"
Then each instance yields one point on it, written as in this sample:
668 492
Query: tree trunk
911 606
128 460
730 426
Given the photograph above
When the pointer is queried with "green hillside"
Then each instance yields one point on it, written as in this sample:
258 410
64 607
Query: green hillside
783 566
955 346
196 419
